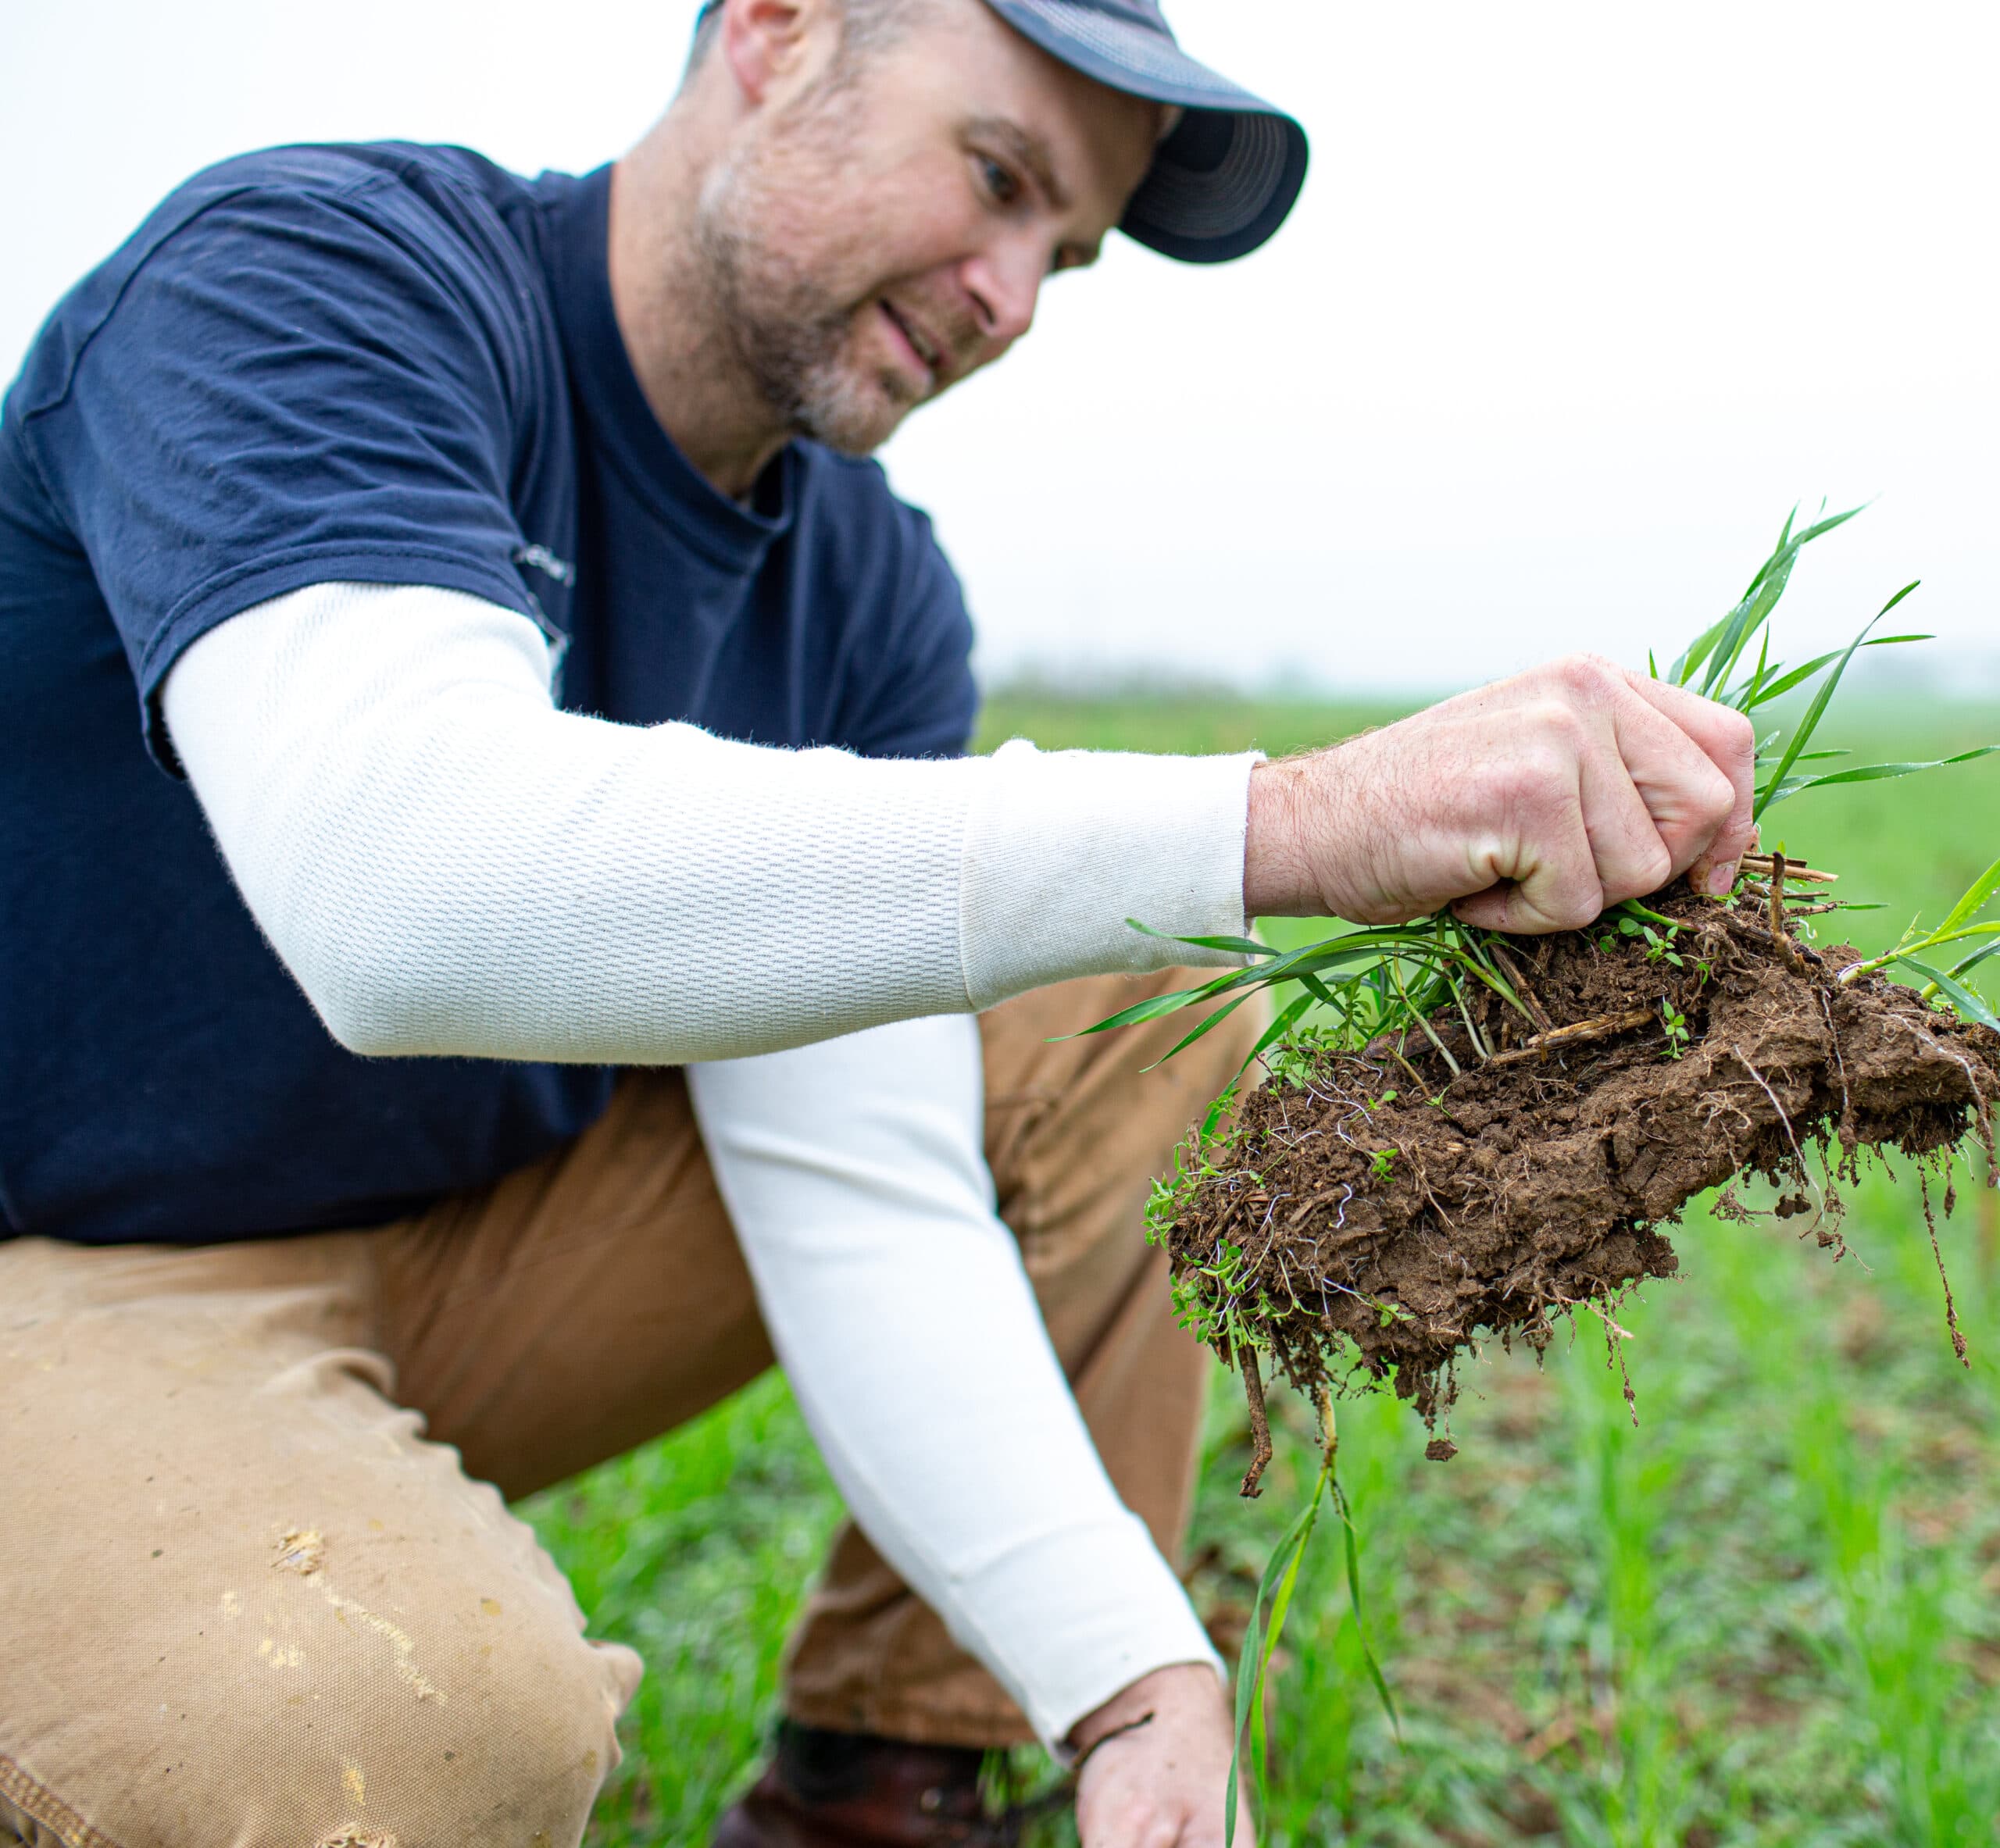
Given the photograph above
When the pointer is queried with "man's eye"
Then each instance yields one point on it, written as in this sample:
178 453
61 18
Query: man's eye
1005 188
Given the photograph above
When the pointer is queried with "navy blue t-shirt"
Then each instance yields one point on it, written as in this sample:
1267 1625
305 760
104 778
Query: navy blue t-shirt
388 364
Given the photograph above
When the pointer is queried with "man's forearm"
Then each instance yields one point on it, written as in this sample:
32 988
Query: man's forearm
450 865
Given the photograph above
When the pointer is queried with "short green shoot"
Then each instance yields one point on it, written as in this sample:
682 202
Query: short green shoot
1675 1022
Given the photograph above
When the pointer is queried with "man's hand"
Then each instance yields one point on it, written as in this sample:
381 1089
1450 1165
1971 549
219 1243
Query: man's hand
1529 805
1161 1785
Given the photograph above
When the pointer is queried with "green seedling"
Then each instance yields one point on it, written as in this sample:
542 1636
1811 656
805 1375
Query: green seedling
1676 1025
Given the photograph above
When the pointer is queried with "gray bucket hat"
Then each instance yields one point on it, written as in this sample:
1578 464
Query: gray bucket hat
1225 178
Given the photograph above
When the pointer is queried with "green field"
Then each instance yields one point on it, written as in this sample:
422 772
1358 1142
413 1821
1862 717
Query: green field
1770 1613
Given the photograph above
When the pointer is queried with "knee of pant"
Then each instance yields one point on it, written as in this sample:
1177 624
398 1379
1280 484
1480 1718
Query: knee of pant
356 1724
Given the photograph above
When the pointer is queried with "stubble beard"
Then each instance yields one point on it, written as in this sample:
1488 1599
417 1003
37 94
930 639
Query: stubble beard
787 328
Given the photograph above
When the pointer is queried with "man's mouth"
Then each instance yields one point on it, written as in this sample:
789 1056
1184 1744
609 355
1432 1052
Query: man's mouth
927 353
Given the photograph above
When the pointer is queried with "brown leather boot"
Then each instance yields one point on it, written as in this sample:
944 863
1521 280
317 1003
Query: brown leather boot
852 1790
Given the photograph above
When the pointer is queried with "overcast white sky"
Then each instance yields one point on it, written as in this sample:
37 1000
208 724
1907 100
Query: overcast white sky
1581 299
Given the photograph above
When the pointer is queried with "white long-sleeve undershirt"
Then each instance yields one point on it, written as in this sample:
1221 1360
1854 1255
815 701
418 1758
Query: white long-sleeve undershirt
447 864
898 1306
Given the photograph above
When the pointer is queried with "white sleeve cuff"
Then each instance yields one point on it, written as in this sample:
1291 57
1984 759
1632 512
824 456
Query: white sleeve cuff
1061 847
1106 1609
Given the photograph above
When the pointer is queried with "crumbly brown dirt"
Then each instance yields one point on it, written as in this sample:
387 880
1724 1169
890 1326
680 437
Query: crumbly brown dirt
1391 1217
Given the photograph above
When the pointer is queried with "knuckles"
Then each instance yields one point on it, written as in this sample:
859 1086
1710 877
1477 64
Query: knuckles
1539 773
1555 722
1586 679
1648 872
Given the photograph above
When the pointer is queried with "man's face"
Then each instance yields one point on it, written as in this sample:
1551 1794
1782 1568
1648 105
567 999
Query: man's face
880 235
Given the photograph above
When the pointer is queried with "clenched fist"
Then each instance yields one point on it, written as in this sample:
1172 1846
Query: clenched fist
1529 805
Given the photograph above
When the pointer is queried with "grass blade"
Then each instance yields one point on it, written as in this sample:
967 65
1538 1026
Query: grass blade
1976 896
1252 1662
1782 685
1977 958
1280 1609
1866 773
1288 1017
1809 723
1704 644
1233 946
1140 1012
1208 1025
1721 646
1375 1674
1966 1001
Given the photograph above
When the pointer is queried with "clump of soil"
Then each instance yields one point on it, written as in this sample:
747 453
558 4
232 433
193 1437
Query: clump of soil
1373 1216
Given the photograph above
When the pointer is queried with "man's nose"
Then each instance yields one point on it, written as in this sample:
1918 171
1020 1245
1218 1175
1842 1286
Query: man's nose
1005 283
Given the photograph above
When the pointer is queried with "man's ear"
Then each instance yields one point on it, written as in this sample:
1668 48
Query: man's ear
772 47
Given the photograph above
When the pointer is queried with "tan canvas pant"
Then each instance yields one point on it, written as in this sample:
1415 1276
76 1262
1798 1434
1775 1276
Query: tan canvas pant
245 1601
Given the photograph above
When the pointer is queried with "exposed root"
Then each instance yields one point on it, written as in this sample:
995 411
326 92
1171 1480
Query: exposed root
1260 1423
1787 945
1937 1251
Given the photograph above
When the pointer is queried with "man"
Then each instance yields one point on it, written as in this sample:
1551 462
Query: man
564 874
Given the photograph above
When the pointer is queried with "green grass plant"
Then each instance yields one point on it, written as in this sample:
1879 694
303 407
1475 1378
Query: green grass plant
1382 985
1590 1627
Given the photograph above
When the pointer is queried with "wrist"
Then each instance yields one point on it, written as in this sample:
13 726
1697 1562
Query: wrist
1171 1689
1276 881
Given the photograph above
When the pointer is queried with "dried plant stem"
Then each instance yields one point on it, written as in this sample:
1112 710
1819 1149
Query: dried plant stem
1559 1038
1511 968
1798 875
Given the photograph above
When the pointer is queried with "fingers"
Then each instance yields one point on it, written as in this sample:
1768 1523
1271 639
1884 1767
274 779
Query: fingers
1686 795
1551 881
1617 794
1728 740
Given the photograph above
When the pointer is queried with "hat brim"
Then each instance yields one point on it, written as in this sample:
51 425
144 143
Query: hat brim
1226 177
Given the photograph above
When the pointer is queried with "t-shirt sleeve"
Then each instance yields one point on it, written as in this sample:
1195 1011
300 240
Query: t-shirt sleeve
924 702
290 384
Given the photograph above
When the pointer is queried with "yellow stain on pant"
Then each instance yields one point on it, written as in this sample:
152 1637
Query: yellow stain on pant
354 1783
303 1550
407 1672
